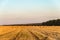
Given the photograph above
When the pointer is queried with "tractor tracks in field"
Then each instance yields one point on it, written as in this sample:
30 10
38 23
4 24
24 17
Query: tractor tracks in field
10 35
38 35
28 33
37 38
24 34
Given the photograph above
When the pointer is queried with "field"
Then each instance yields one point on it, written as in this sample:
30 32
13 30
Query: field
29 32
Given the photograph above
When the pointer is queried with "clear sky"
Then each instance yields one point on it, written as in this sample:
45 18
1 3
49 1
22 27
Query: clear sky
28 11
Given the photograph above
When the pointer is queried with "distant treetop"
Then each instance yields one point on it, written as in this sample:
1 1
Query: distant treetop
52 23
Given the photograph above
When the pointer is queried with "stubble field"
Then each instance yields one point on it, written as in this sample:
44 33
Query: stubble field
29 32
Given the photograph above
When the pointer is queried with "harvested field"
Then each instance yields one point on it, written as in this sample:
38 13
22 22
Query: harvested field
29 32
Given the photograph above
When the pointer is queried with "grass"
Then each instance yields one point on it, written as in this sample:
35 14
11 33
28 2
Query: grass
29 32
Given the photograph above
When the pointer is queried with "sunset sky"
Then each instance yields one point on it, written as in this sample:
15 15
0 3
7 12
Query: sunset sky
28 11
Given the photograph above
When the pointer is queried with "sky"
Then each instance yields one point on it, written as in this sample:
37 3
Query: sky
28 11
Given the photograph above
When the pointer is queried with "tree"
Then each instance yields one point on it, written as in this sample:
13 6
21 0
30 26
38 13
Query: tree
52 22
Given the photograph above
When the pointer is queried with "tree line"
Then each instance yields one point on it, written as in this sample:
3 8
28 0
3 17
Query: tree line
52 23
47 23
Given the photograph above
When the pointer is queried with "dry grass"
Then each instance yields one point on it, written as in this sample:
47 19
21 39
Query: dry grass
29 32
